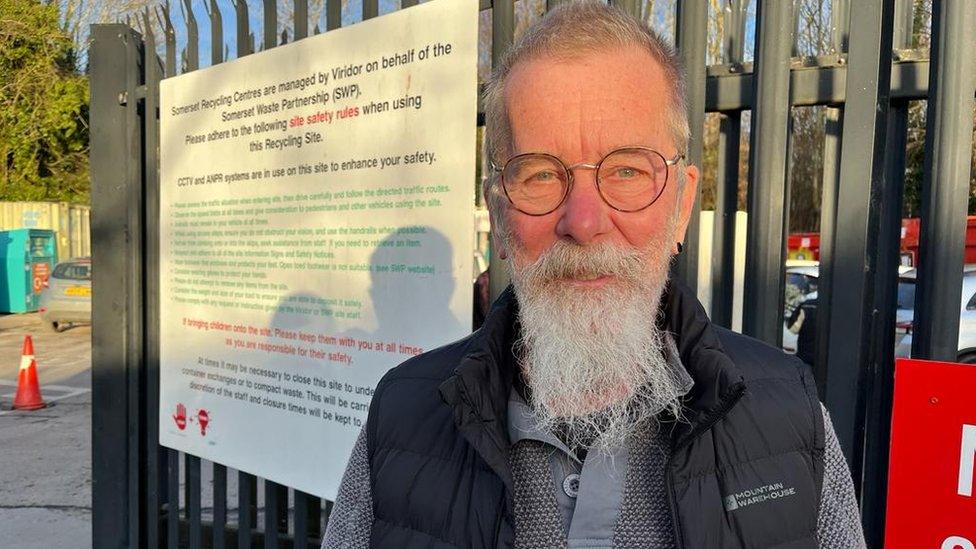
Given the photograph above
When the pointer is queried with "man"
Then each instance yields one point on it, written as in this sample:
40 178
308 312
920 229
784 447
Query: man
596 406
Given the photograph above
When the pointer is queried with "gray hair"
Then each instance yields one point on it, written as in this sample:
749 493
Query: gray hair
572 30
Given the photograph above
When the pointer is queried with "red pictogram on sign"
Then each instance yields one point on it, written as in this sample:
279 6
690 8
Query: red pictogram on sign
180 416
203 418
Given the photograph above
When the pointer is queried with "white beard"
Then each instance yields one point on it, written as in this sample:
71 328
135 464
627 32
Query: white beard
594 358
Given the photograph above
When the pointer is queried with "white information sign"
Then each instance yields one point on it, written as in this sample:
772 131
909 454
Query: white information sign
316 230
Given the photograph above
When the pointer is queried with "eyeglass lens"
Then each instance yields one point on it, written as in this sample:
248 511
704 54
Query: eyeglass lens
628 180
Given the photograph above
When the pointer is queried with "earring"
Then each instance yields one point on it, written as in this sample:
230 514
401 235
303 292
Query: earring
681 247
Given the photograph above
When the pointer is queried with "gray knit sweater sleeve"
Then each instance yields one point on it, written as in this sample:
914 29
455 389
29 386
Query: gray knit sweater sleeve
839 522
352 515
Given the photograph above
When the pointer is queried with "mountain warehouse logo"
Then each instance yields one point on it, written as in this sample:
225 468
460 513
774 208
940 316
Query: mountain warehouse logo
760 494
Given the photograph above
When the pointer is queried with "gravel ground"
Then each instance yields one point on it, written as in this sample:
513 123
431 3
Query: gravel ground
45 457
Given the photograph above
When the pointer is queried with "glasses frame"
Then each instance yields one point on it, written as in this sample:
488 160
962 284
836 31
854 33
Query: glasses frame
668 163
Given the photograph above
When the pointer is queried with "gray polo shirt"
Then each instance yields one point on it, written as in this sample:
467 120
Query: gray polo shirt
589 492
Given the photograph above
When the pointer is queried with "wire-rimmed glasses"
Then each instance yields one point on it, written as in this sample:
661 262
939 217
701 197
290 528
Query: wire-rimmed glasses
628 179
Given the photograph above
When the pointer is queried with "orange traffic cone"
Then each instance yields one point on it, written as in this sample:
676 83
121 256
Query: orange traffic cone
28 389
27 353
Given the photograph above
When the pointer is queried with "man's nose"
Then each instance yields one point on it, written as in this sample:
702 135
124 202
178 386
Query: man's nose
584 216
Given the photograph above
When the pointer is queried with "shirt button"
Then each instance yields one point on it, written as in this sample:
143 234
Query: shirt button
571 485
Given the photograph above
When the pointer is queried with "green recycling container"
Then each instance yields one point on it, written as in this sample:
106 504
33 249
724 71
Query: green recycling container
27 257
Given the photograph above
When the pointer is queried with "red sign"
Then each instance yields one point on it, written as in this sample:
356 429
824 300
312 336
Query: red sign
40 272
931 491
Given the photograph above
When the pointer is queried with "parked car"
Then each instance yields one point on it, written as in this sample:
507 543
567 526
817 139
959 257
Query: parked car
802 280
66 299
905 317
801 285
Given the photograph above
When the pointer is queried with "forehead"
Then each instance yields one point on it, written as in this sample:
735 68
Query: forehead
588 104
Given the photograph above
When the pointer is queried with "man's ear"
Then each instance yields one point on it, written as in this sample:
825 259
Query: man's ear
497 242
689 194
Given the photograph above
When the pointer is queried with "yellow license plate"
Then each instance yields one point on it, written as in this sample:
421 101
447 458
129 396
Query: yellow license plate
78 291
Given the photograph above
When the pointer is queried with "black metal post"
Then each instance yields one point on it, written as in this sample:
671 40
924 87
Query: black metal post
270 39
765 242
301 19
833 137
193 506
727 177
945 184
833 128
216 34
155 468
333 15
691 39
502 36
879 389
192 37
243 29
118 381
723 231
855 262
166 23
219 505
371 8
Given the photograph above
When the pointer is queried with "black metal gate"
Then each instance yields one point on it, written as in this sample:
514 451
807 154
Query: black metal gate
865 84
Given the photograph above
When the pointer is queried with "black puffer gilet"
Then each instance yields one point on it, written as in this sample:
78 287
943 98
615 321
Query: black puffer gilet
752 426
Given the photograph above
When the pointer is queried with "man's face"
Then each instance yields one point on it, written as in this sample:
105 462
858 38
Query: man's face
579 110
588 278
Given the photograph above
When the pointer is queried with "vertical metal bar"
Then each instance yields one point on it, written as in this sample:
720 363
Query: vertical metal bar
945 183
272 504
243 28
166 23
833 138
314 509
245 502
371 8
301 19
219 505
879 388
833 119
193 508
727 177
502 36
270 24
282 508
116 166
691 39
726 205
216 34
550 4
173 491
840 17
333 15
765 241
301 519
192 37
153 74
855 244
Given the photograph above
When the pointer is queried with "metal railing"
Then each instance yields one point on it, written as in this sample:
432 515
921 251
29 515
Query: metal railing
866 89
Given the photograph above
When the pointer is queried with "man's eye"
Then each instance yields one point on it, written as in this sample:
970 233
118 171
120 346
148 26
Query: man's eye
547 176
625 172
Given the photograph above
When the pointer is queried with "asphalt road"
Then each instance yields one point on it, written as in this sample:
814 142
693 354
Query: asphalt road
45 455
